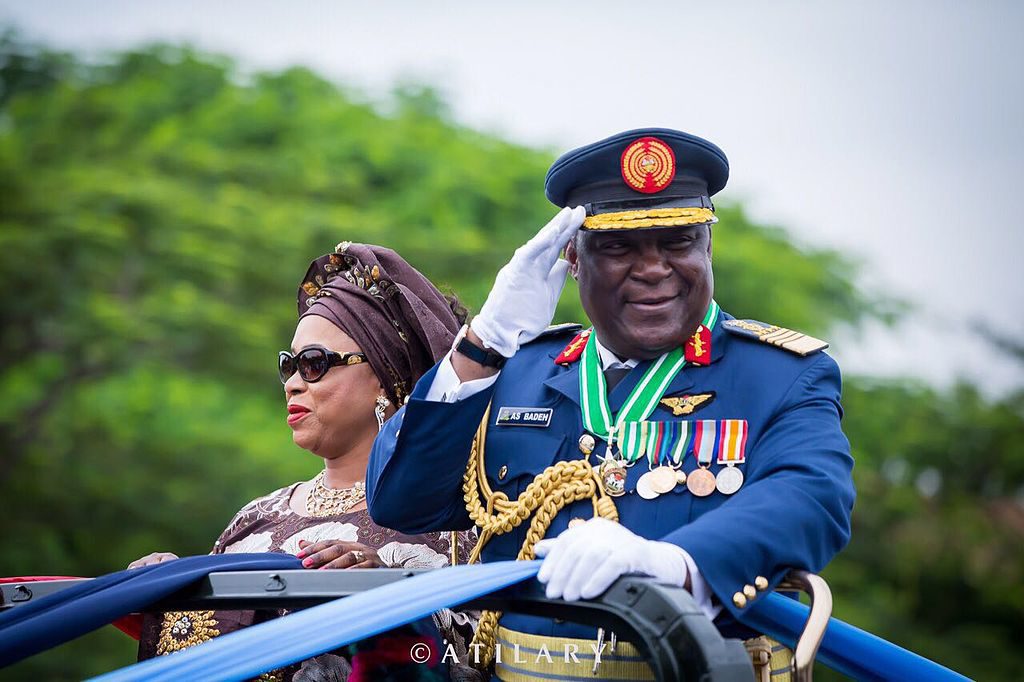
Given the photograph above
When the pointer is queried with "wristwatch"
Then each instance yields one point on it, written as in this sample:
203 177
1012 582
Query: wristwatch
483 356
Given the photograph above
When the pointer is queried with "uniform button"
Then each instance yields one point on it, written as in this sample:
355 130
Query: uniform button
761 583
739 600
502 472
749 592
587 443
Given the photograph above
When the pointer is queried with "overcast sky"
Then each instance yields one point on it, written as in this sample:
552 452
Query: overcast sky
892 131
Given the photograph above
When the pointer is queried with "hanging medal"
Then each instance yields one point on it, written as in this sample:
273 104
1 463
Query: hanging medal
646 431
662 438
680 448
665 444
613 470
632 438
731 451
701 482
613 476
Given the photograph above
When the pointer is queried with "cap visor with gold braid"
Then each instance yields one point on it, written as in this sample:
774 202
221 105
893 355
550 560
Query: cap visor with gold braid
645 178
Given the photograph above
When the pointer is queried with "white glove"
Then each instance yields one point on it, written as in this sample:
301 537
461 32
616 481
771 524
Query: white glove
585 560
525 292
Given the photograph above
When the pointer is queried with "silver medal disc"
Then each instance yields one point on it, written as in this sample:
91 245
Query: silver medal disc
729 480
643 487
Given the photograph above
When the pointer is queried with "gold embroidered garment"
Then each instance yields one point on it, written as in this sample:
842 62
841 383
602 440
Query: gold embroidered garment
268 524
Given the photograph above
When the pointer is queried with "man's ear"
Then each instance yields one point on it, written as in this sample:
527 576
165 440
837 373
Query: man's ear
573 256
710 241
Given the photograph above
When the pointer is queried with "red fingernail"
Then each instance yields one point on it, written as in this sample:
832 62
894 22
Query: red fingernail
301 553
308 562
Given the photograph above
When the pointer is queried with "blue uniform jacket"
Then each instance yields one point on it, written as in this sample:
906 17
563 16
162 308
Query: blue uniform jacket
793 510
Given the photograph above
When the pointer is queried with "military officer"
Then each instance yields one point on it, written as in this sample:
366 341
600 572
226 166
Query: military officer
669 439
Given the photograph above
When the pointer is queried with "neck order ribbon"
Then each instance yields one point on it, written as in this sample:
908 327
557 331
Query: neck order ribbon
597 416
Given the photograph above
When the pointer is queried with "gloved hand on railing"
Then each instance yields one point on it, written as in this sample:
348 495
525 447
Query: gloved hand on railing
586 559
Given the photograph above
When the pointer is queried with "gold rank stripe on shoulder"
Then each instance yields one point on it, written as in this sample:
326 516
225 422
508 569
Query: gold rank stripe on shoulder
563 327
787 339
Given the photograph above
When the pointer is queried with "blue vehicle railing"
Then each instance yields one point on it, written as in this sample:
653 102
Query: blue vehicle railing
663 622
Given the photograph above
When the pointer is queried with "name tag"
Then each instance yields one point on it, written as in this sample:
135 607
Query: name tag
524 416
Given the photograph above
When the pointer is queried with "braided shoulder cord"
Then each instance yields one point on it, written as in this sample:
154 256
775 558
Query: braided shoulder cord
557 486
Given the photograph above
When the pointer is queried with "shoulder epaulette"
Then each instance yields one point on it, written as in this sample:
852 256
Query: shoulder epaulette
794 342
560 329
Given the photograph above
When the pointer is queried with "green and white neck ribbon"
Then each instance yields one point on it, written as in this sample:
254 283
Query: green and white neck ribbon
597 416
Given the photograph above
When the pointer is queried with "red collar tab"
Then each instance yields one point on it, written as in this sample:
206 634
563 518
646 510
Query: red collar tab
698 347
574 350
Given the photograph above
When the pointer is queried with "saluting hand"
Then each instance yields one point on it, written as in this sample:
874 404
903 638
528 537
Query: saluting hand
337 554
525 292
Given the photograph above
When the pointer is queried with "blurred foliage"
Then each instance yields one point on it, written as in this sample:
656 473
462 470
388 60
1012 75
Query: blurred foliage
157 212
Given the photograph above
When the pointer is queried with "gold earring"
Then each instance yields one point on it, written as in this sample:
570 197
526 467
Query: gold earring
378 410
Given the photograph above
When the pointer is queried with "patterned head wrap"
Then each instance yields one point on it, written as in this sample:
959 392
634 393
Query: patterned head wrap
393 313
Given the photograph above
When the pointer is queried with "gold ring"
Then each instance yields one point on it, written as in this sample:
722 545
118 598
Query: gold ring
360 557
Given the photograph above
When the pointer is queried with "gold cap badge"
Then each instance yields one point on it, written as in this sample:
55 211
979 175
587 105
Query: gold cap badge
648 165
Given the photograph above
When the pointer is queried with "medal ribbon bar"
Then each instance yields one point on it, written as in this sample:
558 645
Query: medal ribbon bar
733 441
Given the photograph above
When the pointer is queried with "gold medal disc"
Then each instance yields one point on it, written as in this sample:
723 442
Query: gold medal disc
701 482
663 479
614 479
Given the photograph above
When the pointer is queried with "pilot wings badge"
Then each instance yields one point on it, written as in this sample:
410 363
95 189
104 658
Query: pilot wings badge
687 404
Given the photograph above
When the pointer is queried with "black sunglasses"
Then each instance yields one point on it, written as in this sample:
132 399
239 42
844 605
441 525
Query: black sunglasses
312 363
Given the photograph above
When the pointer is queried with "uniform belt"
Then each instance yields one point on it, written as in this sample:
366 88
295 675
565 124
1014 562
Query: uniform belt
568 659
522 657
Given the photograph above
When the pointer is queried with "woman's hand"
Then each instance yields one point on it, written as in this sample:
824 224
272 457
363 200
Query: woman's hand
338 554
154 558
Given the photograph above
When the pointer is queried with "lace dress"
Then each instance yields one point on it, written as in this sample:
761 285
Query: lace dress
269 524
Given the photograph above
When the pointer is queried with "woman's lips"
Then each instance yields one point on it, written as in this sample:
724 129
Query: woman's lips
296 413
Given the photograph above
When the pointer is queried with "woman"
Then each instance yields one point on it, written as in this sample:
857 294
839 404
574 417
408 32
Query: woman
369 326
